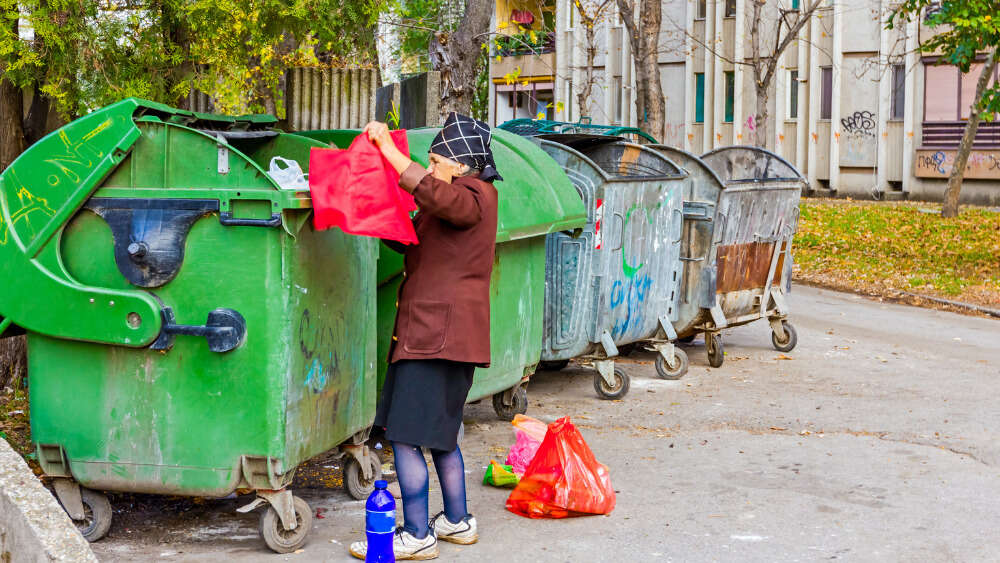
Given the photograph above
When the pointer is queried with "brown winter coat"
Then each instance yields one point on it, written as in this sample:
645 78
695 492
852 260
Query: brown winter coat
444 301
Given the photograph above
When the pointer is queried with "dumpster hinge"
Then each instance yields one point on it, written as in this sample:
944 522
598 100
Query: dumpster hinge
223 154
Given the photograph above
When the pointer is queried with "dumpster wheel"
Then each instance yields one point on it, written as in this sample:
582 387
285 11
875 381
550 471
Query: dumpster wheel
277 537
790 340
716 351
97 515
680 368
518 404
354 476
618 391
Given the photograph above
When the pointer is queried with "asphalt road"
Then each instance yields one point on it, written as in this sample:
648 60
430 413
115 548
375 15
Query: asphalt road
876 441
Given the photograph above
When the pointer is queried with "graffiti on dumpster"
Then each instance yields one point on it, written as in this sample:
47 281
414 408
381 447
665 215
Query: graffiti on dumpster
317 344
73 160
21 218
631 292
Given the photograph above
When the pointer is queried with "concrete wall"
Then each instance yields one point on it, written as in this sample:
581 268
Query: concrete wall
33 527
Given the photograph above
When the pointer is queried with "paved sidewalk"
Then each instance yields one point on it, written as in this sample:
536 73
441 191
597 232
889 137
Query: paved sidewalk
877 441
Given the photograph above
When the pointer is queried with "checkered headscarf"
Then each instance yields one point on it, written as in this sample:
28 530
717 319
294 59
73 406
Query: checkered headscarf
467 140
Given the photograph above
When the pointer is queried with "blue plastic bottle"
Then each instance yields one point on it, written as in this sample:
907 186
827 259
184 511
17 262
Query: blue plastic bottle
380 524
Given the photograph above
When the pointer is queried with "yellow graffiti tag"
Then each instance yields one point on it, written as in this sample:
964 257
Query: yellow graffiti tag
30 205
74 157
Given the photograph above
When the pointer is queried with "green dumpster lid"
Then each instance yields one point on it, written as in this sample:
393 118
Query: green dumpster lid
46 186
536 196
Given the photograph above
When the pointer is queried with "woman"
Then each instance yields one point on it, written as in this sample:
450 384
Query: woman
442 330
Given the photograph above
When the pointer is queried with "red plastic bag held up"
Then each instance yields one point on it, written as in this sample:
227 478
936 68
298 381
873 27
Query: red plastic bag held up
563 479
358 191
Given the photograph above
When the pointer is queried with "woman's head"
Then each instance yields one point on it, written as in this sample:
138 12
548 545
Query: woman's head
446 169
464 141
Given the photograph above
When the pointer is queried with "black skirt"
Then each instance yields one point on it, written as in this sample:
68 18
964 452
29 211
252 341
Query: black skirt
422 402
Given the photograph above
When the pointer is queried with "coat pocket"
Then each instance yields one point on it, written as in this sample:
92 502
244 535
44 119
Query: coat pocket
427 329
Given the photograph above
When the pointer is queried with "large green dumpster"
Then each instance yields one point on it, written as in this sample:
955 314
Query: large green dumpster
120 234
536 198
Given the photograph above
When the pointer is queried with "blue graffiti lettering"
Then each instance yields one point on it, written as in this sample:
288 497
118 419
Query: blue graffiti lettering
633 293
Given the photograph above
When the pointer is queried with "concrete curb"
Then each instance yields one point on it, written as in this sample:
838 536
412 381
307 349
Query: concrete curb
33 527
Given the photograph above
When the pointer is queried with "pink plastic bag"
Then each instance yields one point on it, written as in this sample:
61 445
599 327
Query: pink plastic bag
534 427
522 452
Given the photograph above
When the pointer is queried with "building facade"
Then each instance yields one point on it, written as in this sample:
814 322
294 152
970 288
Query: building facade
852 105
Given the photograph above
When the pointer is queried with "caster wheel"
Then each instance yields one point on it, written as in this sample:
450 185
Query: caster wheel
626 349
716 352
518 404
555 365
791 339
354 478
277 537
617 391
680 365
687 339
96 515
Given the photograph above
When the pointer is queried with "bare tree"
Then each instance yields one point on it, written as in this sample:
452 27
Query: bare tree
644 37
456 55
950 207
592 14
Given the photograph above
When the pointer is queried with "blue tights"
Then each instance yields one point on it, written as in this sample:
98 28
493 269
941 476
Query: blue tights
411 469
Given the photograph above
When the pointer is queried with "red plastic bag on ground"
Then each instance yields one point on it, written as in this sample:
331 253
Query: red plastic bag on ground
563 479
358 191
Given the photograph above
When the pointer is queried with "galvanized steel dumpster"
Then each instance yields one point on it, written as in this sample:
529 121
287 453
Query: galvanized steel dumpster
745 270
619 281
536 198
120 234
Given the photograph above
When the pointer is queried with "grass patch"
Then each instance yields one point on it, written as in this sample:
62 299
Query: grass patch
877 246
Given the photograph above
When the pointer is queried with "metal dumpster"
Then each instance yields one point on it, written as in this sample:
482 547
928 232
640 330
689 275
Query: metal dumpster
189 333
536 198
618 282
741 214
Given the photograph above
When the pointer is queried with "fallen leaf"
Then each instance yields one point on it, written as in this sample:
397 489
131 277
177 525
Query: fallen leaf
778 428
783 357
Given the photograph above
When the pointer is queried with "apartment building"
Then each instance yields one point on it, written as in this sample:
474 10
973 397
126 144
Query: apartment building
853 105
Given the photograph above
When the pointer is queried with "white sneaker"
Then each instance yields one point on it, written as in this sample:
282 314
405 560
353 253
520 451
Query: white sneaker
404 546
463 532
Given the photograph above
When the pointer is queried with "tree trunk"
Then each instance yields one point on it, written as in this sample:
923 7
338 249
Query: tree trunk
583 97
456 56
644 39
13 362
762 117
950 207
11 124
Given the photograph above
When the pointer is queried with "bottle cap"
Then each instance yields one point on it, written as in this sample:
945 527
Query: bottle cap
381 484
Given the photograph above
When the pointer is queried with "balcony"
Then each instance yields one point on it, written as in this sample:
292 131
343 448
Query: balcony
948 135
534 58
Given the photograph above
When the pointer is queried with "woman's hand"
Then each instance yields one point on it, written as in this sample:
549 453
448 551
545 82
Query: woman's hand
378 133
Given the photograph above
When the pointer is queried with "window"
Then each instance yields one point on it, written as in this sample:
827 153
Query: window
571 23
826 93
730 94
795 4
617 92
898 91
793 94
699 97
730 8
948 93
569 100
701 10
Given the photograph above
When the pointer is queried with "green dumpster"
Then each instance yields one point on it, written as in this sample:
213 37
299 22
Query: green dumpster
536 198
189 332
